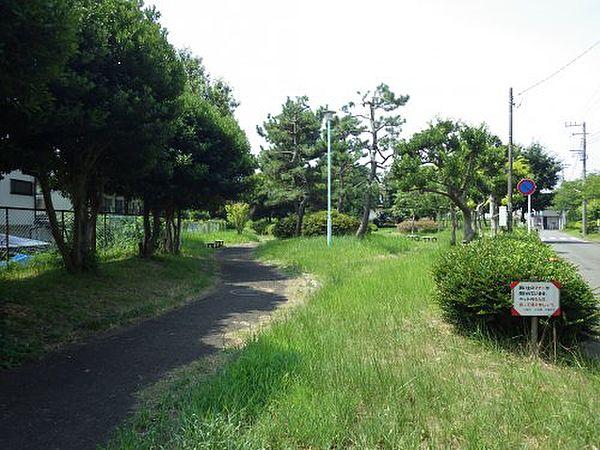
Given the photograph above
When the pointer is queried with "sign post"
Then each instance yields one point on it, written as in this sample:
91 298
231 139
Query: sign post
535 299
527 187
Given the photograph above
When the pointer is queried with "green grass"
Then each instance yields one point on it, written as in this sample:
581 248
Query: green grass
595 237
228 236
368 363
43 306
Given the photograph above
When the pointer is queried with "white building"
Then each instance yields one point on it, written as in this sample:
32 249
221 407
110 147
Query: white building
18 190
548 220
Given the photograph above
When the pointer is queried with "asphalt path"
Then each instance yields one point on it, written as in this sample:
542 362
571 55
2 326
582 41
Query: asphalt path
74 398
584 254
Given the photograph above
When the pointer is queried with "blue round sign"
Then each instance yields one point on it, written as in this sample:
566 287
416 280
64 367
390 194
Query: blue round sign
526 186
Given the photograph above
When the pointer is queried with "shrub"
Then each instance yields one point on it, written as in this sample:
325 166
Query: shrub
269 229
421 225
285 227
260 226
315 224
473 286
237 215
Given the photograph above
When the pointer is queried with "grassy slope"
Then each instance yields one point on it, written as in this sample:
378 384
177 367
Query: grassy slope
45 306
368 363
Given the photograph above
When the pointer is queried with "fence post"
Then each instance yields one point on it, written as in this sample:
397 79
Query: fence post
6 236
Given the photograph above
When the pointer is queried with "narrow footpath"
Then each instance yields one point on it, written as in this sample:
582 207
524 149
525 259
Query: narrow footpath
74 398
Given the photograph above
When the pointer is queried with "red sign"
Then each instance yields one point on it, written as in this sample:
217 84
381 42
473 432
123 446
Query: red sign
526 186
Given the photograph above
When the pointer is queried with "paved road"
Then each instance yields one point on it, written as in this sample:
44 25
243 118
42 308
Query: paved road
74 399
585 254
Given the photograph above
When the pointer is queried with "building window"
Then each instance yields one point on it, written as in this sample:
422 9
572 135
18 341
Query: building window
21 187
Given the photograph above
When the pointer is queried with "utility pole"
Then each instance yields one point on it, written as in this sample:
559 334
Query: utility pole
583 152
509 208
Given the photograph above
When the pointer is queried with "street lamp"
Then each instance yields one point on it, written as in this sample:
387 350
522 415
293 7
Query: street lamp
328 115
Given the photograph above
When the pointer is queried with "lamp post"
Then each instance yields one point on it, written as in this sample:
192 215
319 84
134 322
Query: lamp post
328 116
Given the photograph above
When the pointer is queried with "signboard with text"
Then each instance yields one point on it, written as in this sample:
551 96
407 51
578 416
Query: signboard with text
535 298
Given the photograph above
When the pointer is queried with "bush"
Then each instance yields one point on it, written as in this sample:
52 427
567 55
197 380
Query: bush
315 224
260 226
421 226
269 230
473 286
285 227
237 215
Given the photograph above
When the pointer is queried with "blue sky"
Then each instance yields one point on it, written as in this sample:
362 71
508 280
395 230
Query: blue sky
456 59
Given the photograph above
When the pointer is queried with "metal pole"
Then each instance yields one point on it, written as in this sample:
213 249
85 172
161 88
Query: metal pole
6 236
509 209
329 181
529 213
534 335
584 202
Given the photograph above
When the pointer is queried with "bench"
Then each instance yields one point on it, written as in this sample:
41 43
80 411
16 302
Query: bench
215 244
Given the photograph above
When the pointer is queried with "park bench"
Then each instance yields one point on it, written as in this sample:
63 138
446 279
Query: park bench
215 244
429 238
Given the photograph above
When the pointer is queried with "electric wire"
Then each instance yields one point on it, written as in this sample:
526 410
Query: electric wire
556 72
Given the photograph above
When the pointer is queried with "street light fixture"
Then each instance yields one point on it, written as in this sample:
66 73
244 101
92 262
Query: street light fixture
328 115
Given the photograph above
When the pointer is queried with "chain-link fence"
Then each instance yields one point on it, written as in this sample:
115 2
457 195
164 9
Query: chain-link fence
25 232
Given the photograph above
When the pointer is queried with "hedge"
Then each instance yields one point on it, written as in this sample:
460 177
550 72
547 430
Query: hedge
473 286
315 224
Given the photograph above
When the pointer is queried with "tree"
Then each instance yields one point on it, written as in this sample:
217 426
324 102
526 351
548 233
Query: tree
381 130
238 215
201 84
292 136
570 194
37 37
207 161
449 159
414 205
545 170
111 105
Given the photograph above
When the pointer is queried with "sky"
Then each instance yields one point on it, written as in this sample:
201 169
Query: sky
455 59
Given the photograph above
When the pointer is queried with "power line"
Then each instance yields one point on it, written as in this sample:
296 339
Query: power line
553 74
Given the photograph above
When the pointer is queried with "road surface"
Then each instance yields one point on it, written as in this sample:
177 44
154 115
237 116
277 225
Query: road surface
74 398
585 254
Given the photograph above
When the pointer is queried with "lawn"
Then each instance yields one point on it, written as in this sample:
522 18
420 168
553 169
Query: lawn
369 363
43 306
228 236
595 237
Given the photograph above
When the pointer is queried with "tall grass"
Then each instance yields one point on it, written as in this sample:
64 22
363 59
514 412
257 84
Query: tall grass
368 363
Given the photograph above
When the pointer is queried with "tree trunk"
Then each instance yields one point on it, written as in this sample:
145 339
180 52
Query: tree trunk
468 233
178 233
368 197
55 228
83 251
493 215
147 248
454 225
169 231
300 216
